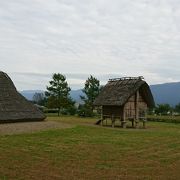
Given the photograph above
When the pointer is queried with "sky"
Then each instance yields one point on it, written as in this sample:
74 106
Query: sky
105 38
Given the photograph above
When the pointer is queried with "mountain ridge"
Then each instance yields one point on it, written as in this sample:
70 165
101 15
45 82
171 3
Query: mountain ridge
163 93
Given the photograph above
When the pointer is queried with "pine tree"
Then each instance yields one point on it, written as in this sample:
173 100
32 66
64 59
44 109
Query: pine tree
58 92
91 91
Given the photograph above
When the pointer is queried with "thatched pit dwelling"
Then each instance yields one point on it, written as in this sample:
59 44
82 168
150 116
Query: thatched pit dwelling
13 106
125 99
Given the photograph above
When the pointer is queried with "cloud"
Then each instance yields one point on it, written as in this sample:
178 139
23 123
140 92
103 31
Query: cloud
140 37
28 81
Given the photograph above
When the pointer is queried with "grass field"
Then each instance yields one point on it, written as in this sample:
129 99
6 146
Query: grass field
92 152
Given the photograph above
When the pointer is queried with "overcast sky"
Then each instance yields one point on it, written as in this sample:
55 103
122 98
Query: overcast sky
105 38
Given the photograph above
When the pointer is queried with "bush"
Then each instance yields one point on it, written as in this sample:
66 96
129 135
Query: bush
84 111
167 119
64 112
72 110
50 110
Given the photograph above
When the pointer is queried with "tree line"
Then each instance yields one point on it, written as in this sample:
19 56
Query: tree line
57 96
166 109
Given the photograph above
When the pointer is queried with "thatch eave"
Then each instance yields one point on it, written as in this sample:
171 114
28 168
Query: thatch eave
13 106
117 93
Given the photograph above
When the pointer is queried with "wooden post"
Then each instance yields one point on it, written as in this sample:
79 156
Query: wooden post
102 118
113 121
101 112
137 109
102 122
144 120
144 123
133 122
123 122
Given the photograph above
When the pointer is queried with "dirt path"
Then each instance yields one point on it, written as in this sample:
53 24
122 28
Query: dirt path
29 127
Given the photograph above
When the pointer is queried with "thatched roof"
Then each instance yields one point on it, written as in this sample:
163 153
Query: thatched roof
13 106
117 92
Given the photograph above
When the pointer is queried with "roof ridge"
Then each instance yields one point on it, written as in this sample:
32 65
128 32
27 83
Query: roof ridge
126 78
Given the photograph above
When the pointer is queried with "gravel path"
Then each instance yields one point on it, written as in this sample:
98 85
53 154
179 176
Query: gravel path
29 127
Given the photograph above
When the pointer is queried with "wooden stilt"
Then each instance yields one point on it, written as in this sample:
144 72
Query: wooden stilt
113 121
102 122
133 122
137 110
123 122
137 124
145 120
102 118
144 123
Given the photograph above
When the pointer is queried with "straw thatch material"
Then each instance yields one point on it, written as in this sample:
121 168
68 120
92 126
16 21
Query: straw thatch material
118 91
13 106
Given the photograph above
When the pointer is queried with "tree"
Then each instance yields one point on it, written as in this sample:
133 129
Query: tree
39 98
163 109
91 91
71 109
58 92
177 108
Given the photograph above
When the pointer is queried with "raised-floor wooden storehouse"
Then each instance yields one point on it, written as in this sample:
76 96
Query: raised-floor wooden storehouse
125 99
13 106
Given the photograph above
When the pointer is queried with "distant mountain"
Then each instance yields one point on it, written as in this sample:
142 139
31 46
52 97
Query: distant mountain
163 93
75 94
166 93
28 94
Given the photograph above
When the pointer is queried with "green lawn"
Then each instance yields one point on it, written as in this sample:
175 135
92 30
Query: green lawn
92 152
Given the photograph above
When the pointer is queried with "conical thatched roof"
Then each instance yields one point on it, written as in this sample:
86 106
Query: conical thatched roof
13 106
118 91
